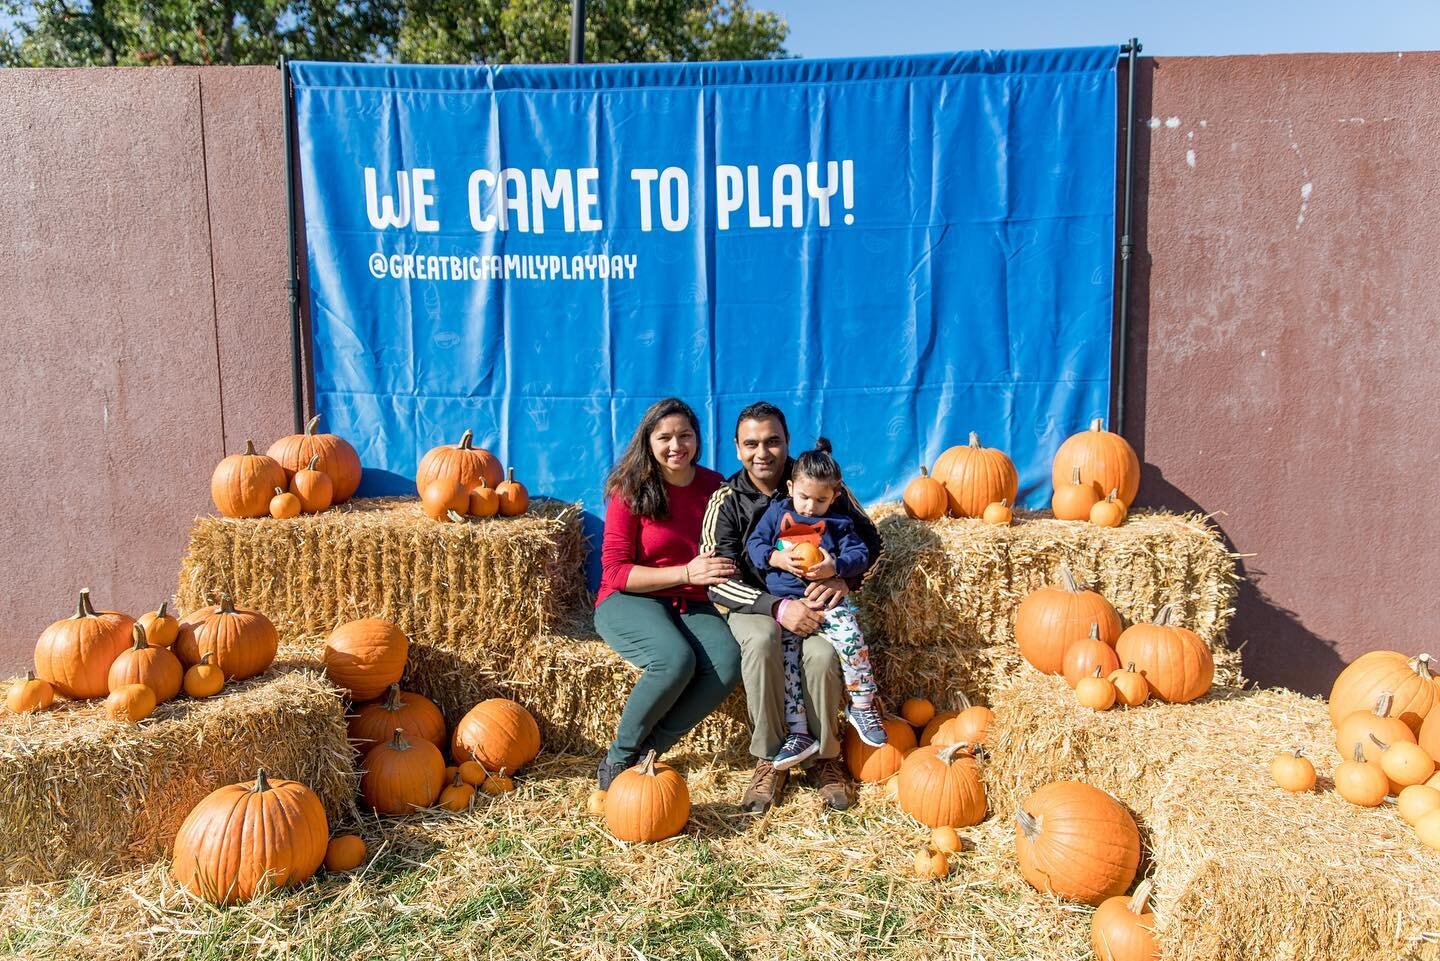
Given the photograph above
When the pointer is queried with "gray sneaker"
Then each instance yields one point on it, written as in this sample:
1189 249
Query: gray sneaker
797 748
867 723
609 769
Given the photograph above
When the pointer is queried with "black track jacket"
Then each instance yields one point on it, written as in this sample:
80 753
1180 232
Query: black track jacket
732 514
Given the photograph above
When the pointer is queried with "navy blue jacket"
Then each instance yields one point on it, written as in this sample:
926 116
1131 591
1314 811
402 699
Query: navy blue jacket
838 537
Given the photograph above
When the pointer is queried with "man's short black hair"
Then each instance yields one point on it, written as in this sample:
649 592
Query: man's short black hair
762 410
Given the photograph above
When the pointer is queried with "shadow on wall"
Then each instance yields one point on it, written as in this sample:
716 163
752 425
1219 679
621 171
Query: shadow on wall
1277 646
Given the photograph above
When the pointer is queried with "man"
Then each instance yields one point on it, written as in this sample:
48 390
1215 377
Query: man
762 442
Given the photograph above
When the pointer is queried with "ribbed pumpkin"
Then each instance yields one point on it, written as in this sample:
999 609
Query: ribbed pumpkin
412 713
1123 929
345 852
440 499
870 764
366 656
161 628
155 667
940 786
1175 661
1131 688
925 498
1073 500
75 654
333 455
1430 735
457 796
1380 721
1414 688
484 501
243 484
1095 692
1077 842
975 477
1085 656
998 514
402 774
970 724
313 488
244 840
932 728
284 505
497 733
462 463
1050 618
917 711
1105 460
130 702
28 694
648 802
514 498
242 642
1360 782
204 679
1108 513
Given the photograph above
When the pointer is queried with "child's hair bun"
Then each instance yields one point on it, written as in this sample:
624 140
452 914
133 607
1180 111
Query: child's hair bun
823 444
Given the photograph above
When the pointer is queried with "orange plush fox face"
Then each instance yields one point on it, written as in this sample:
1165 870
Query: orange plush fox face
793 532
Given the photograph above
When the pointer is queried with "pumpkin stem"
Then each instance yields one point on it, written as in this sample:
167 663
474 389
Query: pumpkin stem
949 751
1068 579
30 675
1075 477
392 702
1384 703
161 613
962 700
1162 619
249 447
84 609
314 460
1422 666
1098 669
923 471
310 425
1094 631
1359 753
279 491
398 742
227 604
510 474
1097 424
1028 823
1378 743
1004 502
647 764
138 633
1131 668
1295 753
974 439
1141 896
1114 493
261 784
467 441
205 659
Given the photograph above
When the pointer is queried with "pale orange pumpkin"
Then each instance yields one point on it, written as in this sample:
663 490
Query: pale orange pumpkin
1095 692
499 734
1360 782
1077 842
442 499
75 654
284 505
1415 689
412 713
917 711
1416 801
1404 763
313 487
1427 829
472 773
648 802
28 694
462 463
1123 928
945 840
1073 500
871 764
161 628
1050 618
130 702
1106 462
333 454
971 724
1108 513
807 555
204 679
940 786
1361 727
345 852
366 656
1174 660
1131 688
1087 657
241 484
925 498
514 498
484 501
242 641
931 865
975 477
595 803
155 667
402 775
998 514
1292 772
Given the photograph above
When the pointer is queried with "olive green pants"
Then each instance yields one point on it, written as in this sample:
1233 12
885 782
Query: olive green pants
762 668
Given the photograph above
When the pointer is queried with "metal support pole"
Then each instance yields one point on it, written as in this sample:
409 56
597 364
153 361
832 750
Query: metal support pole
297 376
577 31
1127 240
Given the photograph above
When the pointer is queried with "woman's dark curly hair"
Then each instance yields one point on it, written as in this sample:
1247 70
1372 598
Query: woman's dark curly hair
638 477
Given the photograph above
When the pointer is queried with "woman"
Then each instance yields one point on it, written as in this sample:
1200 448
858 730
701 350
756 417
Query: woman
652 607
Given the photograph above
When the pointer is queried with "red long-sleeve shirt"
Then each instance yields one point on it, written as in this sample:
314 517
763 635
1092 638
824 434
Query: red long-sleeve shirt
630 540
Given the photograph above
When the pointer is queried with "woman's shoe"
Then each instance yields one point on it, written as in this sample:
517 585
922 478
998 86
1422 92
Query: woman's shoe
797 748
867 723
609 769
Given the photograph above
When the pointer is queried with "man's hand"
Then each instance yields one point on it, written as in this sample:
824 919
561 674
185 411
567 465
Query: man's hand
799 619
708 570
824 595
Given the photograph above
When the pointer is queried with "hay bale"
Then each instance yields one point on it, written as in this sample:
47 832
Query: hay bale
955 584
475 589
1242 869
79 792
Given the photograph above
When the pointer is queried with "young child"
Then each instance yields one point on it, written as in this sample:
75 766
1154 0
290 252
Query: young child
799 519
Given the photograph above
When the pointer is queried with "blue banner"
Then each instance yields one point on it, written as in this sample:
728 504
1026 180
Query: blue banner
896 251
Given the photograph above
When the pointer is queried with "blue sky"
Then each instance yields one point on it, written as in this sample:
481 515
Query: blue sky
846 28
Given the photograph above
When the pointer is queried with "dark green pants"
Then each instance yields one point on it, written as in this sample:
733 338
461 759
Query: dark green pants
689 660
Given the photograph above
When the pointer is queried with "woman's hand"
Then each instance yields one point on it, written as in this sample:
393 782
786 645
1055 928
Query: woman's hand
707 570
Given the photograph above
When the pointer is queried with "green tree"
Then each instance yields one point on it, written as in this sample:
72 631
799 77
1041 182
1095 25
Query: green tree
66 33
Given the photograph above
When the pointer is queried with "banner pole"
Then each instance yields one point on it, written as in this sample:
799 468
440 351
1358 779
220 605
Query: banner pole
296 370
1127 245
577 31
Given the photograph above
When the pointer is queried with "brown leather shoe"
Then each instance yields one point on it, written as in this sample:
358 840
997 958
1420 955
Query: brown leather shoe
833 782
766 786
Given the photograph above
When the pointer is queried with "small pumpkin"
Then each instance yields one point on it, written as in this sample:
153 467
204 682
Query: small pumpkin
946 840
1095 692
462 463
1174 660
155 667
940 786
402 775
345 852
284 505
514 498
313 487
925 498
130 702
931 864
1123 928
1362 727
1416 801
473 773
161 628
241 484
1361 782
1108 513
917 711
204 679
1077 842
1415 688
366 656
1427 829
75 654
497 784
1106 461
1074 500
29 694
499 734
330 452
1131 688
648 802
1050 618
457 796
413 713
975 477
595 803
441 498
484 501
1292 771
242 641
807 555
244 840
971 724
1086 657
998 513
1404 763
871 764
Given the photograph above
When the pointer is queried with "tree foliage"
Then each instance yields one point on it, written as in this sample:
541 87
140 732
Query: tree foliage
71 33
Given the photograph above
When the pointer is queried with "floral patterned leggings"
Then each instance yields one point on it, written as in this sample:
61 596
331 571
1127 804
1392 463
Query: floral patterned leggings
842 630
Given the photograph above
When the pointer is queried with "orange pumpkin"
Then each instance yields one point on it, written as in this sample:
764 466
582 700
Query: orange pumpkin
402 775
1123 929
917 711
284 505
1089 657
975 477
998 513
648 802
933 727
462 463
444 500
1108 513
1404 763
1416 690
244 840
75 654
457 796
1415 802
1131 688
345 852
484 501
332 454
1095 692
28 694
160 628
313 487
130 702
931 865
412 713
940 786
498 734
366 656
1050 618
155 667
514 498
242 483
1073 500
971 724
1077 842
807 555
1360 782
242 641
1361 727
925 498
1106 461
1175 661
1292 772
204 679
871 764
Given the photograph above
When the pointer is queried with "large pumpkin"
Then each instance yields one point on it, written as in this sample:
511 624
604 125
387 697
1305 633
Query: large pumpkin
402 774
1077 842
940 786
1050 618
648 802
336 458
497 733
1414 689
242 643
243 840
1123 929
976 477
925 498
1176 663
871 764
243 484
366 656
155 667
412 713
1105 460
75 654
462 463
